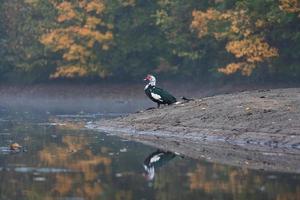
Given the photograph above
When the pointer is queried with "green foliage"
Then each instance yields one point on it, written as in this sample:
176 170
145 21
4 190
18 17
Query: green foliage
152 36
24 56
138 42
3 67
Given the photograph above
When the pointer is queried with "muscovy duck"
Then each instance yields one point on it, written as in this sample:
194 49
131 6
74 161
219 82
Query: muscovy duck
155 160
157 94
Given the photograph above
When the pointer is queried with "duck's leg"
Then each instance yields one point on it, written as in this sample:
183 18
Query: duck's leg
158 105
151 108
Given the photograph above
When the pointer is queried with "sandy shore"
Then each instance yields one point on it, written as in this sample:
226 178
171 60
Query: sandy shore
256 129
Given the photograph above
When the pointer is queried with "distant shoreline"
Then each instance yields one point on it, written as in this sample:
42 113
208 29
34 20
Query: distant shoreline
256 129
105 97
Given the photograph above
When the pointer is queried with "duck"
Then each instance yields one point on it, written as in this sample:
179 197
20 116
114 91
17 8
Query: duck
157 94
156 159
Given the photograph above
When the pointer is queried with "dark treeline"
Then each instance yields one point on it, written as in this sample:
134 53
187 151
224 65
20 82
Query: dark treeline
212 40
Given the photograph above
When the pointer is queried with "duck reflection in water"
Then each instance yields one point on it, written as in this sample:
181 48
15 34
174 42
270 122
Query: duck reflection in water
156 159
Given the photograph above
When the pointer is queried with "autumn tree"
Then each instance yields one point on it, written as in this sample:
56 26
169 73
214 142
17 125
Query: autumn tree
290 6
246 29
184 53
244 35
129 38
80 37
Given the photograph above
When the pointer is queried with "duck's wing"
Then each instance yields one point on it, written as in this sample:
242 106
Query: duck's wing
159 158
162 95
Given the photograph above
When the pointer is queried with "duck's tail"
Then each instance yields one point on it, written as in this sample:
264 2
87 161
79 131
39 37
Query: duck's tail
184 100
187 99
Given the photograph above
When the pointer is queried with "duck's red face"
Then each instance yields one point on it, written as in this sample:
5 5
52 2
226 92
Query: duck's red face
148 78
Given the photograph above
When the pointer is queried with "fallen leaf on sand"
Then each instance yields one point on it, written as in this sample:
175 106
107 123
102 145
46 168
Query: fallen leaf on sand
15 146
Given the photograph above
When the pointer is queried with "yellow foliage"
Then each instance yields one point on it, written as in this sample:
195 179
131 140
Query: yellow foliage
66 16
244 67
76 41
231 68
103 37
290 6
69 71
252 49
57 39
92 22
66 11
105 47
201 19
260 23
64 6
76 52
95 5
64 41
239 20
47 39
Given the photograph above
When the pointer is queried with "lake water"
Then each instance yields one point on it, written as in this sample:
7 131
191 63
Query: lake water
60 159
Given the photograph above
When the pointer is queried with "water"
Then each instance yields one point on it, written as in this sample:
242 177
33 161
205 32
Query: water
62 160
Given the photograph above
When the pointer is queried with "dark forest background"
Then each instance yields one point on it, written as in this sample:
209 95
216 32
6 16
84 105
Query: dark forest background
94 40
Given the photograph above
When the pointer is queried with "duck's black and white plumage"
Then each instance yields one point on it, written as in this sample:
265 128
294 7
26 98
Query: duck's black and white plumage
157 94
155 160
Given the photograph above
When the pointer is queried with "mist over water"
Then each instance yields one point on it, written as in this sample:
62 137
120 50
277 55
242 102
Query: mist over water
61 159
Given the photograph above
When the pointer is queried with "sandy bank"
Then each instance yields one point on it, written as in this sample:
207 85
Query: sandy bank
256 129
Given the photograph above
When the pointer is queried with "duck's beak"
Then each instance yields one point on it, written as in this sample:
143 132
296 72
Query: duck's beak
146 78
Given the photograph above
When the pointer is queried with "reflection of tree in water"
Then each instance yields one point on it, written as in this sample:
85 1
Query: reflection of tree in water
241 183
74 154
96 169
68 124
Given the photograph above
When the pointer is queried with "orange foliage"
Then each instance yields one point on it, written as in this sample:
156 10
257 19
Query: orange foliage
95 5
245 68
66 11
92 22
78 40
250 50
201 20
239 22
69 71
290 6
253 49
